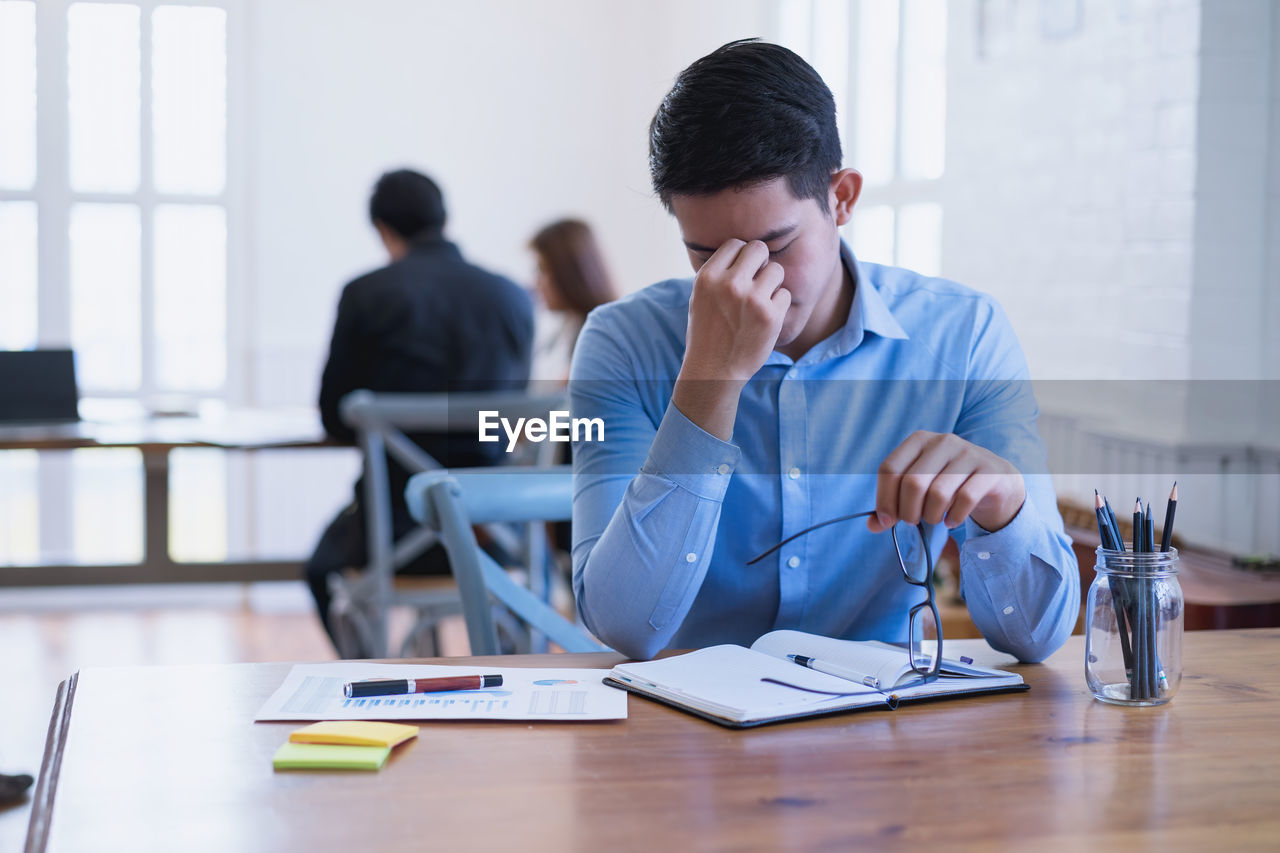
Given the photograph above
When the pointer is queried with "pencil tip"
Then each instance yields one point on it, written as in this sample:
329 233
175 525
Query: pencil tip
1173 496
1097 500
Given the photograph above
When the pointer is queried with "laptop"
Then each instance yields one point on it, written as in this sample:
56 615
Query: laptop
38 387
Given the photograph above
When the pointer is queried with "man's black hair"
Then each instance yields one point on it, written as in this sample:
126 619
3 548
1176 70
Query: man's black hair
745 114
409 203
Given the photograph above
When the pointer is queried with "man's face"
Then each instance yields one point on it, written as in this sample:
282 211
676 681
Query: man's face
802 237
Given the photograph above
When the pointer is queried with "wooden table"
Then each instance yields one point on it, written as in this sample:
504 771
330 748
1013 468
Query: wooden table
1050 768
241 430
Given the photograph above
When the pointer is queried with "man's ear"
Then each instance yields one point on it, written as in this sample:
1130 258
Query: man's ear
846 186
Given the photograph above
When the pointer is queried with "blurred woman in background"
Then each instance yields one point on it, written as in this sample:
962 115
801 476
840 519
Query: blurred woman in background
572 278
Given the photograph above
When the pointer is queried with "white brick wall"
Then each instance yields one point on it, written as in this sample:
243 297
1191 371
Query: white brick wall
1117 187
1071 182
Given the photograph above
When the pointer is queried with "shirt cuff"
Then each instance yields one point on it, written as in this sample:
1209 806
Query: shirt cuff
993 549
691 457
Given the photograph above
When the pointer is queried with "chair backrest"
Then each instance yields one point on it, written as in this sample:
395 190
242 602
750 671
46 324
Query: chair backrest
451 501
381 421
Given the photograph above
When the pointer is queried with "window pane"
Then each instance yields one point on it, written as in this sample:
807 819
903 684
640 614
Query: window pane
873 234
877 90
104 82
106 296
17 95
198 505
17 274
831 54
191 296
19 508
920 237
107 500
924 88
189 91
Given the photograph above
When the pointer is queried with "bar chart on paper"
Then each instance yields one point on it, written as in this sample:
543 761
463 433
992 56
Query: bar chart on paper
315 692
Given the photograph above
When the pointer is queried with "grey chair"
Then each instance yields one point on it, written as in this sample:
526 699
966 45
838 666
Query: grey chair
361 603
452 501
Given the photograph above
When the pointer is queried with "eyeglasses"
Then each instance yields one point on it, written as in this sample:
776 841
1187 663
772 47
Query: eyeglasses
924 638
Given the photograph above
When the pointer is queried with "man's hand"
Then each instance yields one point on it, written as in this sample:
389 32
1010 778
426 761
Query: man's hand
937 477
735 317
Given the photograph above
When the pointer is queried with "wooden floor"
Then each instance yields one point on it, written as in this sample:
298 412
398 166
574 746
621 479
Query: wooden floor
40 648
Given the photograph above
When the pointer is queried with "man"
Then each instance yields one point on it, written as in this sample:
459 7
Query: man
788 383
427 322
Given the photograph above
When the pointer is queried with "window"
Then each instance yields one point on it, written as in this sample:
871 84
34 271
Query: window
891 55
899 130
114 238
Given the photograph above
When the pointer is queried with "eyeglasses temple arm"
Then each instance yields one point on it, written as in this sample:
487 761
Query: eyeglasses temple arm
809 530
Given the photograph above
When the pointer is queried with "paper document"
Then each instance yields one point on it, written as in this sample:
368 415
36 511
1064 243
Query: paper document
314 692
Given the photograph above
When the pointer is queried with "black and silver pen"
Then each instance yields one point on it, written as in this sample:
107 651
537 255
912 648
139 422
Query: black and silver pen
837 670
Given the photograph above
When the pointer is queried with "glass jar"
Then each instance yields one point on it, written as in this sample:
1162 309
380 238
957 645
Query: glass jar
1133 628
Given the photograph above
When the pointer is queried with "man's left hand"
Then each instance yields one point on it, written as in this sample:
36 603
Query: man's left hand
940 477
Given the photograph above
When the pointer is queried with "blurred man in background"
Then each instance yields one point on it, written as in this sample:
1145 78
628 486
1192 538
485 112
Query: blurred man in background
428 321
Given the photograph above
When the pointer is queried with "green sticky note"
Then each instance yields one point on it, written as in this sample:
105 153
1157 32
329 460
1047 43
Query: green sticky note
324 756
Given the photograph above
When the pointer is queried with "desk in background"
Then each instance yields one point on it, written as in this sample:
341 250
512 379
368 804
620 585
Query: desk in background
124 769
246 430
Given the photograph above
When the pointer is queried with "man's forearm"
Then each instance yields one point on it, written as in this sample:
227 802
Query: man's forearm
635 584
712 404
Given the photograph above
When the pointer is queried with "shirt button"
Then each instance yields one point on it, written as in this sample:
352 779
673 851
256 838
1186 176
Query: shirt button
984 555
1007 610
691 557
794 473
723 469
793 562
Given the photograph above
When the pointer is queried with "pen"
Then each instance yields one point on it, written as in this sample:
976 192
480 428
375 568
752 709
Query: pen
396 686
836 670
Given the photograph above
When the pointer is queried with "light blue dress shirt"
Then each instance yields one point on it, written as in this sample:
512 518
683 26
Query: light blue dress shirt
666 516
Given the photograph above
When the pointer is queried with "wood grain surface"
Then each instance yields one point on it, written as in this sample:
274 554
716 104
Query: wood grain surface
1046 769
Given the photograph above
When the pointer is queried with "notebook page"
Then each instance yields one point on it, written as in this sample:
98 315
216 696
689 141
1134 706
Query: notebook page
727 680
886 663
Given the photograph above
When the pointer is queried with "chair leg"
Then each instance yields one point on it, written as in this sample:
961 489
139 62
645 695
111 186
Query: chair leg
423 640
514 636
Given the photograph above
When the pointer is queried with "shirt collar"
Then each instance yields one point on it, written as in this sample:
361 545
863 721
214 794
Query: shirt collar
869 308
867 313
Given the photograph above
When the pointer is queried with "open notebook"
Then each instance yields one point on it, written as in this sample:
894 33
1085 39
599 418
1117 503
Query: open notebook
739 687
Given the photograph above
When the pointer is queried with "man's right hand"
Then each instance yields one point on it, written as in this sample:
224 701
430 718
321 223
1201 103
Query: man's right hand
735 316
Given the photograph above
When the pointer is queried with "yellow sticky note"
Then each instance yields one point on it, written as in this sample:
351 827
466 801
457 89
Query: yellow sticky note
354 733
319 756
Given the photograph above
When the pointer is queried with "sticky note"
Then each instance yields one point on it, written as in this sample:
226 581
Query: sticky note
324 756
354 732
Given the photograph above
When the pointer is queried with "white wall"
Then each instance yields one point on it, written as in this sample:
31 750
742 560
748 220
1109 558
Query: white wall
522 111
1071 178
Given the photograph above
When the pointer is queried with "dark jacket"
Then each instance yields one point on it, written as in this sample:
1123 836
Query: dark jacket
430 322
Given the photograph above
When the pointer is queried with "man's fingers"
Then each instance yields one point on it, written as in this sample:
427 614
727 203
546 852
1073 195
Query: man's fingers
781 300
921 476
751 259
939 498
888 479
722 258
